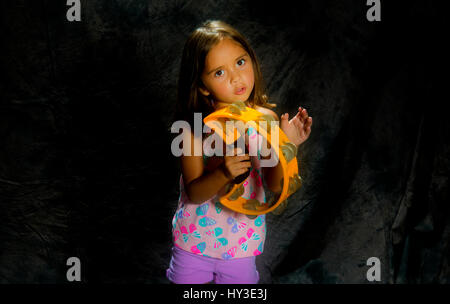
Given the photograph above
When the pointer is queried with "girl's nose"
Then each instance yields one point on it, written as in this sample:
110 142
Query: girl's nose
235 76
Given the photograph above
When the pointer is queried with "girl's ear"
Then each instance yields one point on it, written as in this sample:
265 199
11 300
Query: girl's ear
203 90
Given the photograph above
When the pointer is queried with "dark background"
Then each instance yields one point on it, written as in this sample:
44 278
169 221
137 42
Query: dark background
85 163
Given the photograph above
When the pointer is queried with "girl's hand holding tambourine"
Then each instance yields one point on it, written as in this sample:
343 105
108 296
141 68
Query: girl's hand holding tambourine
235 166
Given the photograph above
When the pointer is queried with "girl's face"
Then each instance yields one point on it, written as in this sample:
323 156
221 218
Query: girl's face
228 75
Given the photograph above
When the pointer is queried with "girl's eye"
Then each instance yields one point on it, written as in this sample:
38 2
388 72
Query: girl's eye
219 73
241 62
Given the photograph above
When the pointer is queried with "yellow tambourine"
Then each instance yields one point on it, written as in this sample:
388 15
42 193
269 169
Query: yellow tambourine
285 151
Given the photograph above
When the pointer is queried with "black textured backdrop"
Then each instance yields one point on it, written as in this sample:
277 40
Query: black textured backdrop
85 162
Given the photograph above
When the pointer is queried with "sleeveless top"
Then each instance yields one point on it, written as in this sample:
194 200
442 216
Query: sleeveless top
213 230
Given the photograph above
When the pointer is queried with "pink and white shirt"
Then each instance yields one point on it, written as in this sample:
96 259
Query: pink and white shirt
211 229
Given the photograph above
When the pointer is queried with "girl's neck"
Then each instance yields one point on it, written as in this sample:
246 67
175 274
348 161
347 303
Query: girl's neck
219 105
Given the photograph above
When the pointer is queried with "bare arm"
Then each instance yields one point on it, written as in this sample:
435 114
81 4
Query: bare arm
201 185
206 186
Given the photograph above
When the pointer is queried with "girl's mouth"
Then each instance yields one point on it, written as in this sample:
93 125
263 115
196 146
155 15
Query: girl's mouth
241 91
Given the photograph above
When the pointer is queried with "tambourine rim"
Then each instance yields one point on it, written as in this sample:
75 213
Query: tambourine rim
223 113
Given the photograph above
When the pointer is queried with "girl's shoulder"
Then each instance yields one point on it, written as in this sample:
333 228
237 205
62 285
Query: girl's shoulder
266 111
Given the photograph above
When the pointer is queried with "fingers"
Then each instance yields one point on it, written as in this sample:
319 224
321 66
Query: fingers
240 155
301 120
298 124
242 158
237 165
304 116
308 122
244 165
235 157
306 126
303 113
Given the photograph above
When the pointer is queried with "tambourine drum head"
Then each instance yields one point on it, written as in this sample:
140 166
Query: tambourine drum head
248 192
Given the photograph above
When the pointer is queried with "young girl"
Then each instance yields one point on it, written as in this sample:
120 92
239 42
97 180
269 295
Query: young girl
211 242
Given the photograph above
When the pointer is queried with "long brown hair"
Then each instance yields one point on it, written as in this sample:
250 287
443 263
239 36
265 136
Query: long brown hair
197 46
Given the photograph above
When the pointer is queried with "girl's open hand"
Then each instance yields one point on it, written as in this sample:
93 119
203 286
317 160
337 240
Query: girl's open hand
298 128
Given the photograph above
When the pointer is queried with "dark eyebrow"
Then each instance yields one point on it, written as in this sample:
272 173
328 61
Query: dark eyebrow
245 54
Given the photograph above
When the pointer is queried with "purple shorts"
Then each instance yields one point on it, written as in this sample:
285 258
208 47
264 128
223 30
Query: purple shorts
189 268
